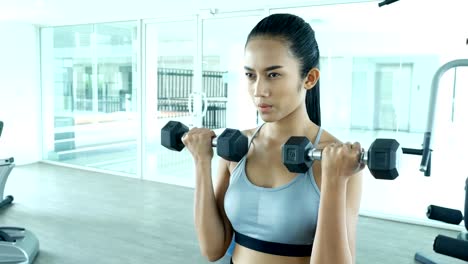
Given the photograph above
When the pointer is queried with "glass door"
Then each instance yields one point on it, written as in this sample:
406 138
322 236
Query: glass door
169 67
194 75
89 87
226 102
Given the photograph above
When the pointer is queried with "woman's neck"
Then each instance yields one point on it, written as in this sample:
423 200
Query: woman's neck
295 124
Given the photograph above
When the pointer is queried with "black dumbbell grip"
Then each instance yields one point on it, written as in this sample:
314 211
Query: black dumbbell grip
316 154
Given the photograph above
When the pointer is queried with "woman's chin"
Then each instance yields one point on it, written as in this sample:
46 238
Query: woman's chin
268 118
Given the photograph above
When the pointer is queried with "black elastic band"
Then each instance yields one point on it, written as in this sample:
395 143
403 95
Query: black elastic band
273 248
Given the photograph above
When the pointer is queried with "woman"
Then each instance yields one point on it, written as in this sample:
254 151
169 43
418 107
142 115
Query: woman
274 215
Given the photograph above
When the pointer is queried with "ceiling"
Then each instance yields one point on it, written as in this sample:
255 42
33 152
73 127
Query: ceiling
431 16
48 12
53 12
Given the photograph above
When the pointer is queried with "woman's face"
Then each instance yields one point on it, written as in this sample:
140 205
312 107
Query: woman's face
273 79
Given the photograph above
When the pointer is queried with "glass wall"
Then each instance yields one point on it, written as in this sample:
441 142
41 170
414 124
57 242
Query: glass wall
171 86
376 71
89 95
376 67
223 66
170 49
228 104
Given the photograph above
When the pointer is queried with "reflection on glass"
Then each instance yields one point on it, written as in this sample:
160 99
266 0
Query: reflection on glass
170 53
229 104
377 66
90 108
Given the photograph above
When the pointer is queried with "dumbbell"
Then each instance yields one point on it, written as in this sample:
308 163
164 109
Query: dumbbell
382 159
231 145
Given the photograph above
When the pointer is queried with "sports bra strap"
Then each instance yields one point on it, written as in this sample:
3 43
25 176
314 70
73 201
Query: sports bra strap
255 134
317 139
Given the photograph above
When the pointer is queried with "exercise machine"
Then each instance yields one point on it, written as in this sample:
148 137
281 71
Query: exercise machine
6 165
453 247
17 245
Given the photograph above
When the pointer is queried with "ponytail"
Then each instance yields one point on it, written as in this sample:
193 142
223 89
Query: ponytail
312 102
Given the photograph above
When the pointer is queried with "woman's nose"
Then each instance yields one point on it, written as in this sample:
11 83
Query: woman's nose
261 89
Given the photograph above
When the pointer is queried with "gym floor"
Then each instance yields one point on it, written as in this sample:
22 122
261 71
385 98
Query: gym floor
85 217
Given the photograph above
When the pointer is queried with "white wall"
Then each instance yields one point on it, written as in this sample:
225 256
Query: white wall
19 92
424 66
335 91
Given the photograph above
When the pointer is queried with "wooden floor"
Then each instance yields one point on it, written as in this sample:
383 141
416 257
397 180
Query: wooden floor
84 217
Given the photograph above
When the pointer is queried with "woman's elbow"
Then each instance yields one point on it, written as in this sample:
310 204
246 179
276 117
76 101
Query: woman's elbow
212 255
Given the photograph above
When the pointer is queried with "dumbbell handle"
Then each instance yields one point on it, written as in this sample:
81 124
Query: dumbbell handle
316 154
214 141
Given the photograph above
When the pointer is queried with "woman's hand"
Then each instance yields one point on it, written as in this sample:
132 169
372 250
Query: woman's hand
198 142
341 161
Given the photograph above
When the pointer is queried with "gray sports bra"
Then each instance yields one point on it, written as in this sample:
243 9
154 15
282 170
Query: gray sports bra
281 220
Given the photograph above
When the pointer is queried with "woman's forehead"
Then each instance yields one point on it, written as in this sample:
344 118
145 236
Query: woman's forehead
264 52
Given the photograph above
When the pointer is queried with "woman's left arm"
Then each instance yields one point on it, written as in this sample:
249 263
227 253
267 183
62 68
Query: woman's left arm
335 238
353 202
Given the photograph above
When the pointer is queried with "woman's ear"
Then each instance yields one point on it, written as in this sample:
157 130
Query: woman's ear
312 78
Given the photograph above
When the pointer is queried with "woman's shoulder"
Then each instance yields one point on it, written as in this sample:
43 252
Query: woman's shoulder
327 138
249 132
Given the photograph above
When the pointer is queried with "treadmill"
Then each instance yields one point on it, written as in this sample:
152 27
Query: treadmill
17 245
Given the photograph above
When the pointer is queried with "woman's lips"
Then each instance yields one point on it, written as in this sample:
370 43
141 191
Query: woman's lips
264 107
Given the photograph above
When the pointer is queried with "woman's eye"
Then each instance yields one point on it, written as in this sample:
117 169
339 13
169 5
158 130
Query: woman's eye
273 75
249 75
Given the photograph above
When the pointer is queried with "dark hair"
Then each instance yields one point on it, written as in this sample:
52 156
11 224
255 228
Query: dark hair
300 37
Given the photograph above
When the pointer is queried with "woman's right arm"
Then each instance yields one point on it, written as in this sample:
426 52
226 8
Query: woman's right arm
213 228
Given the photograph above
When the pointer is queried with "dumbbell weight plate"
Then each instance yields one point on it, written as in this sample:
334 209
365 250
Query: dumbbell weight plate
171 135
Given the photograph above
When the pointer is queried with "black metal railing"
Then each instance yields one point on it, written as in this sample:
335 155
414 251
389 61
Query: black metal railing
214 84
177 83
215 114
108 104
174 83
174 89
